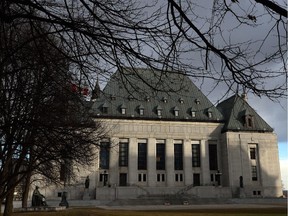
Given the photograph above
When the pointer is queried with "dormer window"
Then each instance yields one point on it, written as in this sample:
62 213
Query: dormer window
113 97
197 101
147 98
210 115
130 97
159 111
248 119
141 110
104 108
176 111
164 99
181 100
123 109
193 113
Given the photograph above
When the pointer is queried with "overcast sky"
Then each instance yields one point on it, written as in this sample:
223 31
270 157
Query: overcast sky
274 113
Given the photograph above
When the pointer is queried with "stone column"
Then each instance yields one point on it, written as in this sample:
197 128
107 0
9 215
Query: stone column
170 173
187 154
113 172
205 162
151 162
132 161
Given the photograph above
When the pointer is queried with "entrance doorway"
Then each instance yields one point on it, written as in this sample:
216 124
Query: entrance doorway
196 179
123 179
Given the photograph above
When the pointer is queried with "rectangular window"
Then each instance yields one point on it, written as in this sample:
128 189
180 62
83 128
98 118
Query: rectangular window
105 110
254 173
104 155
196 155
179 177
63 172
213 159
160 177
142 156
123 111
176 113
196 179
123 179
193 113
253 153
178 156
142 177
123 154
160 156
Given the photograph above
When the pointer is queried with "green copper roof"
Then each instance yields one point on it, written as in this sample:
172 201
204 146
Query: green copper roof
161 95
240 116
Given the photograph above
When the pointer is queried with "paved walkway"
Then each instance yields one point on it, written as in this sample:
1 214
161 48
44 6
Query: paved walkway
114 205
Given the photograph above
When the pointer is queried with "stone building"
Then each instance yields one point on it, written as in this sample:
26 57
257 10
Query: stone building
166 137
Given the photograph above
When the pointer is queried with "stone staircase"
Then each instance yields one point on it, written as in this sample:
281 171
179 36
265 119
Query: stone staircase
175 199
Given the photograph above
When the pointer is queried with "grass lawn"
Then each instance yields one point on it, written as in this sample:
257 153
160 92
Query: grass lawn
195 212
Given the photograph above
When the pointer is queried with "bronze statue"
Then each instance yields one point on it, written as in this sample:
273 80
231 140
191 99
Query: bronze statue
38 199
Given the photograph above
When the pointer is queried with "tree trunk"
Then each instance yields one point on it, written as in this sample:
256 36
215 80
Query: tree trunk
26 187
9 204
1 200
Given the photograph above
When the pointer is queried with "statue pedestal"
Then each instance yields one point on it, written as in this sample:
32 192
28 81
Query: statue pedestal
242 193
86 195
64 200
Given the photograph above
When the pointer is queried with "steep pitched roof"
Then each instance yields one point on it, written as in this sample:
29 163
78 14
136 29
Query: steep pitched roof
237 112
151 90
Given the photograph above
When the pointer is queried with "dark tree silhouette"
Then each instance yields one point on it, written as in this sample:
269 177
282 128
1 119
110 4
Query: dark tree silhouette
44 123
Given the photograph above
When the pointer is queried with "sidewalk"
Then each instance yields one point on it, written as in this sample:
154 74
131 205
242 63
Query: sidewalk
128 204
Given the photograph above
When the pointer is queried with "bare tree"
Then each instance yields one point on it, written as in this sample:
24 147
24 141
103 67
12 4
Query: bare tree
43 122
104 35
228 44
95 37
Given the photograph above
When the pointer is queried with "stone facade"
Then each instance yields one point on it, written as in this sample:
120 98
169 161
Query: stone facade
237 162
177 143
233 155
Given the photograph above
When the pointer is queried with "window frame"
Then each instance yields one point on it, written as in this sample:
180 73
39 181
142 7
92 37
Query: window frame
196 155
142 156
123 154
160 156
